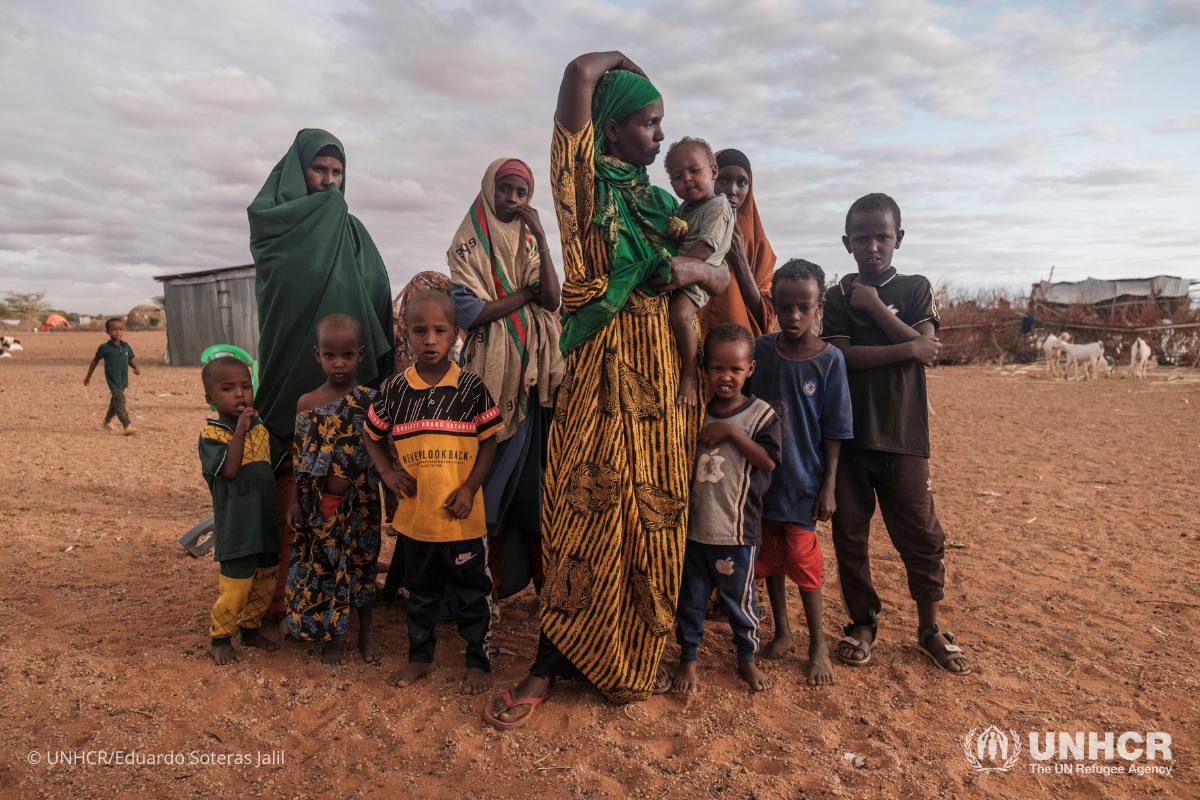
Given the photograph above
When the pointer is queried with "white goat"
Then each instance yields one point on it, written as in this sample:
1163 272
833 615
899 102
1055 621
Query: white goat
1085 355
1052 347
1139 358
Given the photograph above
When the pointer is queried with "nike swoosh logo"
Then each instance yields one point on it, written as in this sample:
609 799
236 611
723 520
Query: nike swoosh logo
463 558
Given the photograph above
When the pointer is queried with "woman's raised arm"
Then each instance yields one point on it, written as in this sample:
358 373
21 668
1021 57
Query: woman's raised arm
575 93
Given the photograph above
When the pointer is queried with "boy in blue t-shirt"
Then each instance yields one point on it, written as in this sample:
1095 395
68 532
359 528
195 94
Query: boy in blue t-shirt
118 358
804 380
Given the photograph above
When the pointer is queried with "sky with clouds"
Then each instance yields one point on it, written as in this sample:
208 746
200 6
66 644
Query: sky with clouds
1015 136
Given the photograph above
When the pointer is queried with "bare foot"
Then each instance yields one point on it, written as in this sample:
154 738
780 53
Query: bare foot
331 652
779 647
754 677
223 654
687 389
261 642
532 686
820 671
477 681
686 677
130 430
410 674
372 654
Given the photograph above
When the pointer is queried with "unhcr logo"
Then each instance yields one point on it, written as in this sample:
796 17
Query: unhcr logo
992 750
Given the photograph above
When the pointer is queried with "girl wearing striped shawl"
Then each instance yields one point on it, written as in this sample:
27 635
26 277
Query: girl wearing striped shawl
506 290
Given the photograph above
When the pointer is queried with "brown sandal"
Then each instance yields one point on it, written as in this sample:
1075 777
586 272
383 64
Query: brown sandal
951 652
858 645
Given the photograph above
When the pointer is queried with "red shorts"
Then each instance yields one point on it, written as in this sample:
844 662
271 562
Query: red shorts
329 505
788 548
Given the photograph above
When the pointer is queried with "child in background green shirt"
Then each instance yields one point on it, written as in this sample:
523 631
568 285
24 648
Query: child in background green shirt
118 357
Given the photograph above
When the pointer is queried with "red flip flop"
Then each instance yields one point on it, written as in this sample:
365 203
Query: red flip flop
501 725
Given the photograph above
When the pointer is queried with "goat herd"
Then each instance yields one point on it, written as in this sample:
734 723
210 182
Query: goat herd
1090 357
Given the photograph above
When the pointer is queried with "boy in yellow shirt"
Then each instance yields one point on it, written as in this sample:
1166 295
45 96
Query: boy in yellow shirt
443 422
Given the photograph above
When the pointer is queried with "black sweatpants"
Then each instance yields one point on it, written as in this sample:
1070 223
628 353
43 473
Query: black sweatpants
901 483
429 567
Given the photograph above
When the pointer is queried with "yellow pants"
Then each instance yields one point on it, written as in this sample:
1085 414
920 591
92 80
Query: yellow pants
243 602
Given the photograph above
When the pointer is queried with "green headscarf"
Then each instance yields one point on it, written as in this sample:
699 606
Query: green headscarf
312 259
632 214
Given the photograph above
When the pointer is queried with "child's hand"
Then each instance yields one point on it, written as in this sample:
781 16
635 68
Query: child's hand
862 296
825 506
87 380
244 420
716 432
400 482
676 229
925 349
137 371
459 502
294 516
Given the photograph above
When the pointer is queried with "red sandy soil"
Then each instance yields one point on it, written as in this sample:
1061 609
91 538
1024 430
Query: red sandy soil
1074 595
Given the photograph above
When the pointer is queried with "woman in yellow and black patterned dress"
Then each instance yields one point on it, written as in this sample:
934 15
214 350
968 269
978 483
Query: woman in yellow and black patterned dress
621 449
333 562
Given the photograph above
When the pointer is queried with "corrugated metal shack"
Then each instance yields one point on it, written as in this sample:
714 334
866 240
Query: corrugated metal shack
1170 293
215 306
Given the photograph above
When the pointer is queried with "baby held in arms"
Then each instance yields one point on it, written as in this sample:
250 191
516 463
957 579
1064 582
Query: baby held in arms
703 227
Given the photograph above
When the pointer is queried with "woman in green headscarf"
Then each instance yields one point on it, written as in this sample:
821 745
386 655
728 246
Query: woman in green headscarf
312 258
621 449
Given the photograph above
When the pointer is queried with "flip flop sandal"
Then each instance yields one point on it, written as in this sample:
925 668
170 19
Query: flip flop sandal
662 688
520 721
947 654
858 645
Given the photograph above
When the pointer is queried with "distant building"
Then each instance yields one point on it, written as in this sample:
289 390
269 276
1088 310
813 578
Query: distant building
1170 293
215 306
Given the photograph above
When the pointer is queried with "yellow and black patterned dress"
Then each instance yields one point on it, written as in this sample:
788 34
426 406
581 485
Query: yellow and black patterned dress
333 561
620 464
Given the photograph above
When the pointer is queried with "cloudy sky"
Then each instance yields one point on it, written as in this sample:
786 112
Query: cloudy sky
1015 136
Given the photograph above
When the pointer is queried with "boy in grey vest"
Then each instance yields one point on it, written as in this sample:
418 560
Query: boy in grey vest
739 447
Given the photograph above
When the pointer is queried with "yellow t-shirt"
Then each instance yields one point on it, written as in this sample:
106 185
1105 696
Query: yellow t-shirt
437 431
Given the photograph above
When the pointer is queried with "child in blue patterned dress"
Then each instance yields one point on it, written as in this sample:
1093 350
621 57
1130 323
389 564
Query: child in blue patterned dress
335 509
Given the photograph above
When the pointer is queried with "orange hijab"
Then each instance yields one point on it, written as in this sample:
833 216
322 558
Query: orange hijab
728 306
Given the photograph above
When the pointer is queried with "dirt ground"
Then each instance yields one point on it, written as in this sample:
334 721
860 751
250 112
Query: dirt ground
1074 593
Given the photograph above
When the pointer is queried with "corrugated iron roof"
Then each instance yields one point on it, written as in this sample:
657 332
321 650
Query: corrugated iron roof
202 272
1092 290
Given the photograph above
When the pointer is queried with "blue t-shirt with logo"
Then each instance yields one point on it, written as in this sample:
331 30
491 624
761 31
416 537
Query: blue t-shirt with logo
812 399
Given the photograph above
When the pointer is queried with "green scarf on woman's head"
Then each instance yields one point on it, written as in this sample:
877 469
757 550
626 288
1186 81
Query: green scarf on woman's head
288 183
631 213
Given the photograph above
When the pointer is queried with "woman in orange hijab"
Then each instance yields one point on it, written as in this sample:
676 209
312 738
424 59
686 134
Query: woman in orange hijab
747 300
